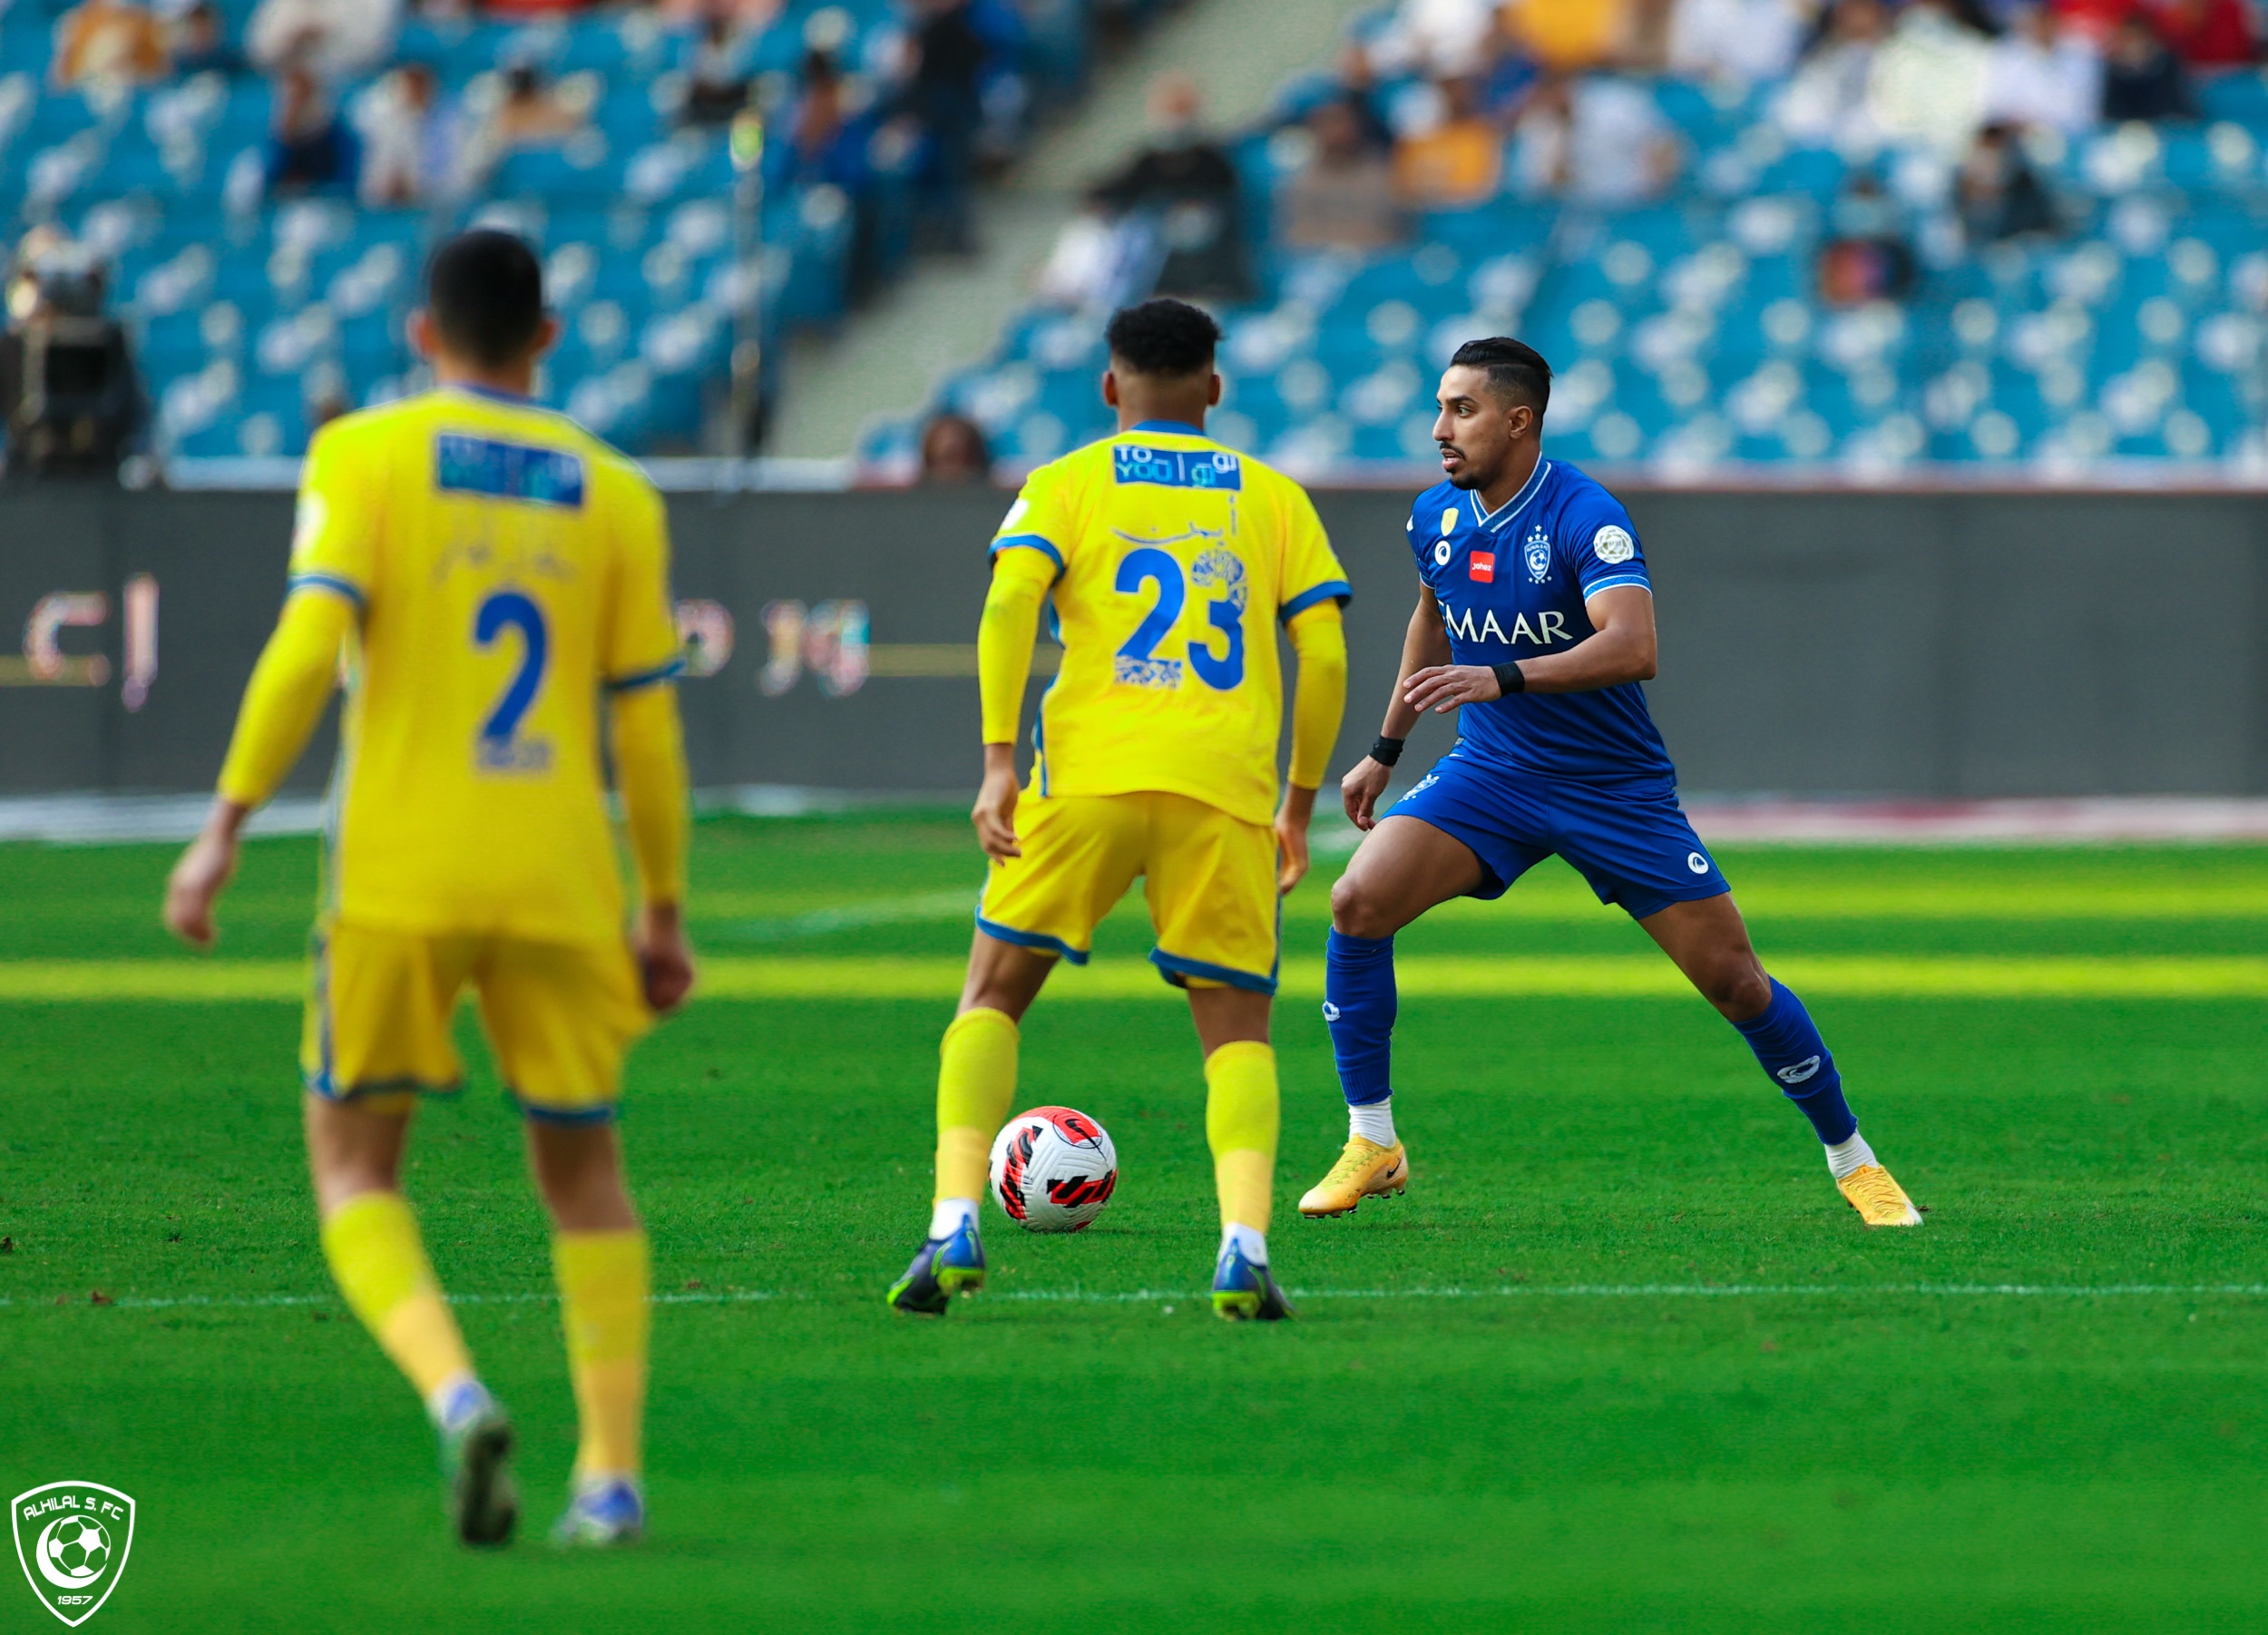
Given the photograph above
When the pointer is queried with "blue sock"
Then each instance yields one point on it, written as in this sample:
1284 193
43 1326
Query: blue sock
1359 1003
1798 1059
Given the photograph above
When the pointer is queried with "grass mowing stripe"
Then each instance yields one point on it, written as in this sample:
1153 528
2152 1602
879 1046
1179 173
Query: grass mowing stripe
1505 1291
1420 977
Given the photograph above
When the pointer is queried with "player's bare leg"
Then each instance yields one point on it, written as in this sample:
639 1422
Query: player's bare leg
976 1083
1403 867
1242 1116
1708 941
370 1239
602 1264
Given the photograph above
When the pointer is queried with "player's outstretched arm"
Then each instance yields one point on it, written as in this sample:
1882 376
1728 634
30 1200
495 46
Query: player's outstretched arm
649 769
1622 648
1426 642
1318 705
1020 578
284 700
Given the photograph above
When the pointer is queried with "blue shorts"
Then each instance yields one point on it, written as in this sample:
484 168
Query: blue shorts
1635 848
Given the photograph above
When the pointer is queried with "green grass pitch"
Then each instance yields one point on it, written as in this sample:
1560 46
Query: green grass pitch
1621 1360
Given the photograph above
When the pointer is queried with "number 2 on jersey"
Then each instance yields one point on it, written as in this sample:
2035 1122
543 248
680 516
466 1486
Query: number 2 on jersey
1138 663
500 748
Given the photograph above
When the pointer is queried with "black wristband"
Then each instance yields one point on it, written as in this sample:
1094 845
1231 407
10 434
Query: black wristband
1508 680
1386 750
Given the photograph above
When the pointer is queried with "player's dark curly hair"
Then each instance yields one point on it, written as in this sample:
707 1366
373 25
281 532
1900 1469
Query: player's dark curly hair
1516 370
485 289
1164 337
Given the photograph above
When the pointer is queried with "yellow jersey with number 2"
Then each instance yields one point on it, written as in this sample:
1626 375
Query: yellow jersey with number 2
508 567
1175 558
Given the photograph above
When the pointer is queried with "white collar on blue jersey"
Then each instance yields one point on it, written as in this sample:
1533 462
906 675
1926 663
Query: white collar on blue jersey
1512 507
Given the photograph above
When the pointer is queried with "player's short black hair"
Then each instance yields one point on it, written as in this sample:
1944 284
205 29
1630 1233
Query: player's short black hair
1516 370
485 289
1165 338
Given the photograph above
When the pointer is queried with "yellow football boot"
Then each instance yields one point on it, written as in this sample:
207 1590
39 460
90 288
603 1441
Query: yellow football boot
1879 1200
1365 1169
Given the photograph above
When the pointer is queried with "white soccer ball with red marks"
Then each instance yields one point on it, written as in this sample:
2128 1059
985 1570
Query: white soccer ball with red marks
1053 1169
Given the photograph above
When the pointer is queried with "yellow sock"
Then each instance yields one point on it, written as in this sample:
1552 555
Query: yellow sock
1241 1118
976 1082
604 1279
380 1266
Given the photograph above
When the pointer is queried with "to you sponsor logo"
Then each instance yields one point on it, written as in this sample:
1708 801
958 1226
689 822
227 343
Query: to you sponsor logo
72 1539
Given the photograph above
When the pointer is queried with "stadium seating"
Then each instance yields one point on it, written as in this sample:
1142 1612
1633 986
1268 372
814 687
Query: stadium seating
1689 337
253 315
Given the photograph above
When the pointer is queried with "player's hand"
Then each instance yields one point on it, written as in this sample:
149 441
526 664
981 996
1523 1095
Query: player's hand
1442 688
1291 837
1361 790
994 813
198 879
665 958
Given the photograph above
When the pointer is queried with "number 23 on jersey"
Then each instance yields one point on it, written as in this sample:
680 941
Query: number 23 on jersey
1218 654
501 747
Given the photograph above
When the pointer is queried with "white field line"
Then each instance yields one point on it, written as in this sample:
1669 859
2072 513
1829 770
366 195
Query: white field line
1139 1296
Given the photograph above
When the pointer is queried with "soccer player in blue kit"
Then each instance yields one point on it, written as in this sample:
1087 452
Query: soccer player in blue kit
1535 622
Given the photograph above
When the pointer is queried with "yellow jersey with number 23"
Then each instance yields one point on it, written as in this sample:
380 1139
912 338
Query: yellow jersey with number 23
508 567
1175 559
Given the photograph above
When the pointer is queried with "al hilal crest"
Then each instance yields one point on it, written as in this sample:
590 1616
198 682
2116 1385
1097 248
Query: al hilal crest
72 1537
1538 552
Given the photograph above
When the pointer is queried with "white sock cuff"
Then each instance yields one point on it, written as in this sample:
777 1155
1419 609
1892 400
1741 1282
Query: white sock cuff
1372 1121
946 1217
1250 1241
1846 1157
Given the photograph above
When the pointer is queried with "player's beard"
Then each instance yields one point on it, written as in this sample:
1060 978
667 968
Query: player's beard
1467 477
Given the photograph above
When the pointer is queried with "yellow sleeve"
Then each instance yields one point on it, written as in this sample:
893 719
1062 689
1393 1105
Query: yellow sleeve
641 646
335 535
650 769
1040 520
1318 636
1311 573
290 686
1003 639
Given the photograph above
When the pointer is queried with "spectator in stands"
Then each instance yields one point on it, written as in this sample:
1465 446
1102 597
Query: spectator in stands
1826 102
338 39
70 400
1741 43
1358 82
944 93
310 149
1927 82
2141 78
2204 34
954 453
409 139
1999 194
1594 141
531 113
823 140
1867 259
1184 181
1101 261
1437 38
1344 197
1451 156
717 83
2042 73
199 42
1567 36
112 42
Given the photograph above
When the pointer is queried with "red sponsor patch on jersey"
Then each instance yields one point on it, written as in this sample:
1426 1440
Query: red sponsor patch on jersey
1483 566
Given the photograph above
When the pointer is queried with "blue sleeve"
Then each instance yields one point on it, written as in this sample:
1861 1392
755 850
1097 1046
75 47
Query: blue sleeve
1602 548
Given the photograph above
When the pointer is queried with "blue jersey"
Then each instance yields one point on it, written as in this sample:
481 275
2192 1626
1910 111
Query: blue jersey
1511 584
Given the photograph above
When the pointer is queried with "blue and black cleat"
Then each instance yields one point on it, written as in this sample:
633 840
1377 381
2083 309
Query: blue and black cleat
1246 1293
944 1268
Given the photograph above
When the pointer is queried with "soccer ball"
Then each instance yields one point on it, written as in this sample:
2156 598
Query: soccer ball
79 1547
1053 1169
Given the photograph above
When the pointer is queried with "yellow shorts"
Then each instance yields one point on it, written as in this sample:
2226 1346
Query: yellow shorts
382 1004
1210 879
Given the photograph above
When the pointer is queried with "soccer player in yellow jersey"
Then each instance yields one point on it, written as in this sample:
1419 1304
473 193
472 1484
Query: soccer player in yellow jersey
1170 561
490 571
